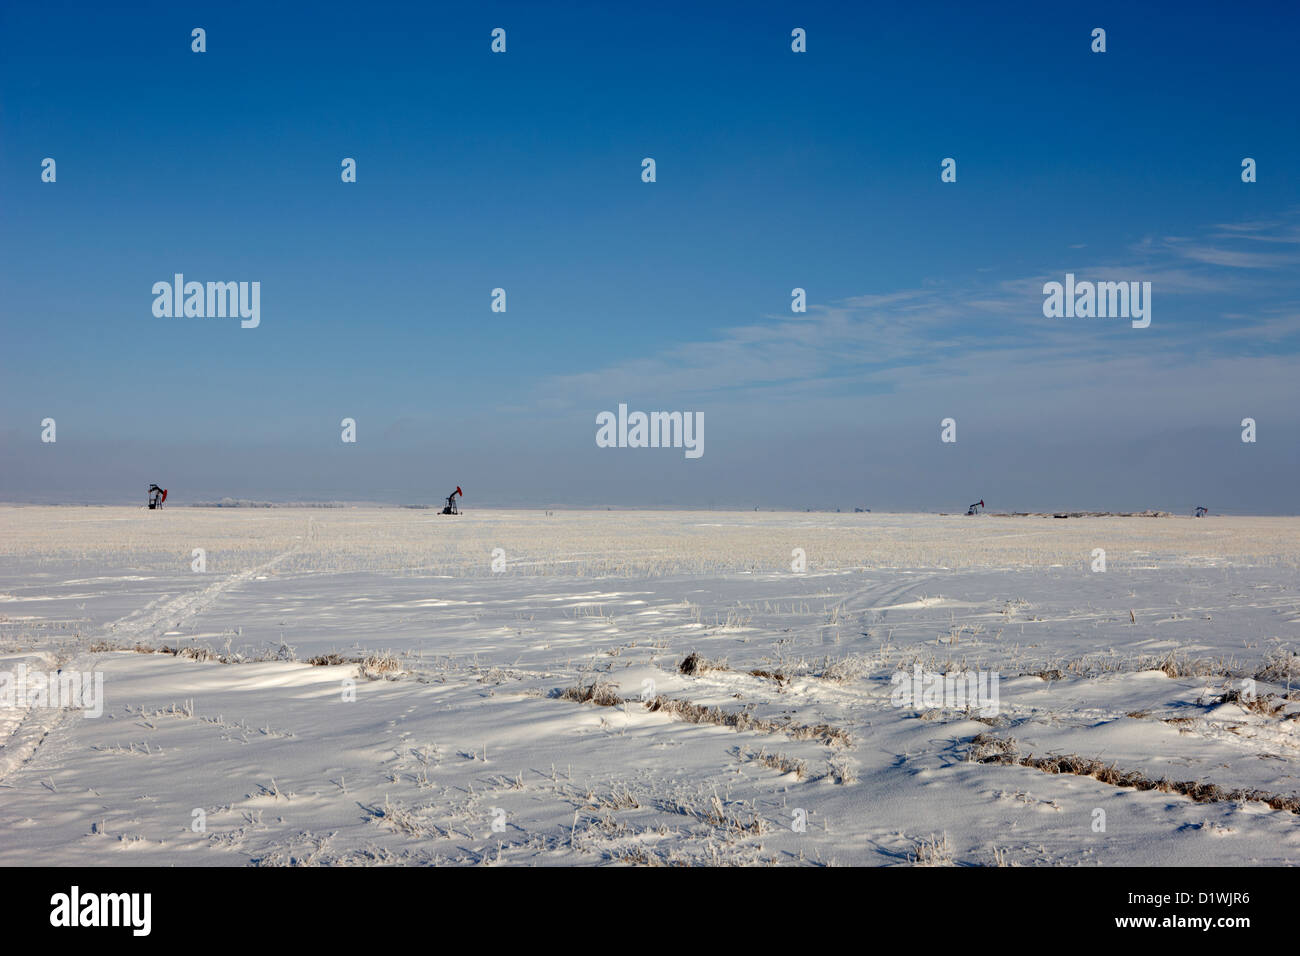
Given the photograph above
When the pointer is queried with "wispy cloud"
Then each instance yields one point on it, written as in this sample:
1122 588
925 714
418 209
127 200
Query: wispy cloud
883 342
1238 258
1262 230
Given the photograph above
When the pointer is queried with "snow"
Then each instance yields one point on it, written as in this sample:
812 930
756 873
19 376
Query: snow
468 728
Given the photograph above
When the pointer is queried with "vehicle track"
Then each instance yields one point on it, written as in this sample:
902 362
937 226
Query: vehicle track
29 728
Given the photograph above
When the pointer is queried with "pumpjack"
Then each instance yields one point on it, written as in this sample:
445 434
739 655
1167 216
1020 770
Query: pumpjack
156 497
451 508
976 508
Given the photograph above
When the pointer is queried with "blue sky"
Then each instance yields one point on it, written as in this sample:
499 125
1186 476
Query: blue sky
774 170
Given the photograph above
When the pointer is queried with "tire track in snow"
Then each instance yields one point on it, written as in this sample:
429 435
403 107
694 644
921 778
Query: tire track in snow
160 616
27 729
879 596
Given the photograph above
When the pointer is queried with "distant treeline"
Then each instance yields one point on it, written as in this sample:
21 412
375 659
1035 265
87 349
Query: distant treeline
245 503
1065 514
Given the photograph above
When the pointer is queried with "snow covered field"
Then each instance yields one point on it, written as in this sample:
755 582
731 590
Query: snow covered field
469 739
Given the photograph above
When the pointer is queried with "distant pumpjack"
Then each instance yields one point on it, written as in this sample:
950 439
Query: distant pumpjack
1202 511
976 508
451 508
156 497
